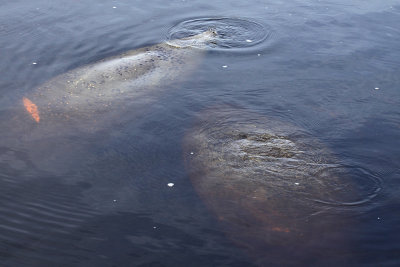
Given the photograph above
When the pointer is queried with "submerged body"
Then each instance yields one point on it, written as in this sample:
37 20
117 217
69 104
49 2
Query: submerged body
55 123
271 185
133 77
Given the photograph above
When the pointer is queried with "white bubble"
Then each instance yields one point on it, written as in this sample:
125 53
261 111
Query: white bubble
34 63
170 184
296 183
191 153
376 88
115 200
114 7
249 41
225 66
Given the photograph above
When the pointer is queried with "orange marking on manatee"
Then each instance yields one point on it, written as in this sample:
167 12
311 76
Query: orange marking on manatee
32 109
279 229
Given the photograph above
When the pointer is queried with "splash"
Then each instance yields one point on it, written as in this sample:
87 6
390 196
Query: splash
32 109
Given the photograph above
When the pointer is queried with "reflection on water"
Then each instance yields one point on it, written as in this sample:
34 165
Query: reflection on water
101 197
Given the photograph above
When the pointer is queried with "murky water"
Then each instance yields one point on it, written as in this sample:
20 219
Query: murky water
90 187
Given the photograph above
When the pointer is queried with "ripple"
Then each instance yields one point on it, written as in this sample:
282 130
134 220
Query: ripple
38 216
357 186
231 32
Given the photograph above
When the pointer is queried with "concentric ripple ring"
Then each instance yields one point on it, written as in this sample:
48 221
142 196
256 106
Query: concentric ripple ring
232 33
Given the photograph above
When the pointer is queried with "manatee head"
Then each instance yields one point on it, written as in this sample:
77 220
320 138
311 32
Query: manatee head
205 36
200 40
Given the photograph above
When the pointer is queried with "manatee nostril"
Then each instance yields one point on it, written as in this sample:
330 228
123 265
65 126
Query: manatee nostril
213 31
242 136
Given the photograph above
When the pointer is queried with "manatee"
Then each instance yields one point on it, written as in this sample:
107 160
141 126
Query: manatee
271 185
92 99
92 91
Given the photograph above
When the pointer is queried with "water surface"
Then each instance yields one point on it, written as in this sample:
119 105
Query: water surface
328 67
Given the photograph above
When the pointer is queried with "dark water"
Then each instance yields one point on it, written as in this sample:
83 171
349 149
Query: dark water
329 67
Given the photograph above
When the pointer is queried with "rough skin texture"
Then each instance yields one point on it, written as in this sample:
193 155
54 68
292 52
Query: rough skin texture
94 100
265 180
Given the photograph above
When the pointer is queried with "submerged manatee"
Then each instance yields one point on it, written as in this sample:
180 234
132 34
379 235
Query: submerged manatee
58 123
62 123
94 90
270 184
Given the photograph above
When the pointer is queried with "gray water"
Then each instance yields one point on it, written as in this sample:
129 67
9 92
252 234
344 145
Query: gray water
102 199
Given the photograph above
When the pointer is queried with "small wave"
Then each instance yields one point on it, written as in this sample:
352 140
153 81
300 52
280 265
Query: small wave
38 216
356 186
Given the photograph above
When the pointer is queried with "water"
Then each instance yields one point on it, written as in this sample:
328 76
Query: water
101 198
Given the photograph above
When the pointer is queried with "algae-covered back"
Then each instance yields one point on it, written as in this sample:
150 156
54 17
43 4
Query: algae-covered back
264 179
95 96
132 77
135 77
98 98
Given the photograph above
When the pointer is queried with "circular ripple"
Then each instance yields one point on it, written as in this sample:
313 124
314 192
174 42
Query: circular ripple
357 186
231 32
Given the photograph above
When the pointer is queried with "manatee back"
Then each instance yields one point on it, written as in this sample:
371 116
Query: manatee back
94 96
265 181
97 98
